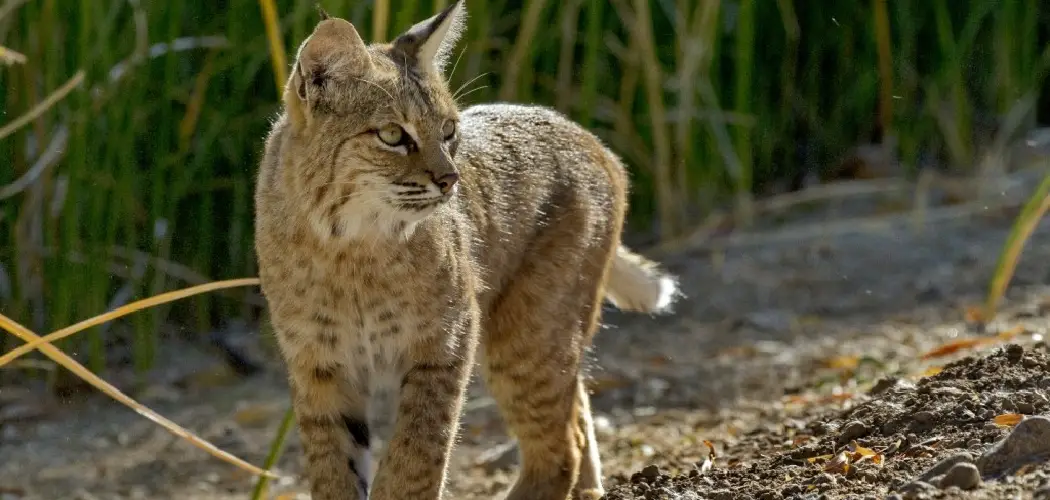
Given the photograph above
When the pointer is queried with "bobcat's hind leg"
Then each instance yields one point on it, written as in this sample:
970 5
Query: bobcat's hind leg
533 343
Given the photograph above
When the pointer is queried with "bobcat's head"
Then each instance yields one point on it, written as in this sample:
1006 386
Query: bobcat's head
374 128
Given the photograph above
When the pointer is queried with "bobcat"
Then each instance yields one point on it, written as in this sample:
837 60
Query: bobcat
396 235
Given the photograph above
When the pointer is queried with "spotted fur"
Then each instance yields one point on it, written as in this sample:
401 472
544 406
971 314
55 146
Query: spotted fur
397 235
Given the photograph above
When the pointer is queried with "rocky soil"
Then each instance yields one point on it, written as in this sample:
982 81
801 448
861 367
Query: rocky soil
813 364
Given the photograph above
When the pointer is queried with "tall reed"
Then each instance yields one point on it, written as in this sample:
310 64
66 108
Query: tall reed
710 102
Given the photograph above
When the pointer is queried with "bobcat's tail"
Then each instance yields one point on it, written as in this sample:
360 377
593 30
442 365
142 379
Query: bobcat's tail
637 284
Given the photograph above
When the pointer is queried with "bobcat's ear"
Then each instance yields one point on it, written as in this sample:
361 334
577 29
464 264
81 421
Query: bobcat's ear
333 53
429 43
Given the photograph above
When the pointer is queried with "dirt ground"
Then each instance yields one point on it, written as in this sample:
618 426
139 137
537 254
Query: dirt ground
798 358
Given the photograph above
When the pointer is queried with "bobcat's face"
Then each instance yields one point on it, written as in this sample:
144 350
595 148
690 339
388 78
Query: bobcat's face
376 128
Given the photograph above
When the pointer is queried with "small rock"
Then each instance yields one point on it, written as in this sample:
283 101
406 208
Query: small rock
924 417
772 321
1014 352
963 475
944 465
823 478
1025 408
650 472
851 431
722 494
914 489
948 390
1030 439
888 383
769 495
965 415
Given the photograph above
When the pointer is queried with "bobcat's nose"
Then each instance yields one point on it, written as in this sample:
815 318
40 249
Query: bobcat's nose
445 181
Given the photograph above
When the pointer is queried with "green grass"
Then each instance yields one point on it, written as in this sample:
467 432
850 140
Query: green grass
708 101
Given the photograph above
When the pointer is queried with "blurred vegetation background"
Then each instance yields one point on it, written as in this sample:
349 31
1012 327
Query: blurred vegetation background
140 180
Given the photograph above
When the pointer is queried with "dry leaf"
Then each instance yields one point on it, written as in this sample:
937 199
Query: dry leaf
1011 333
710 448
709 462
840 465
859 450
933 370
842 362
817 458
1008 419
955 346
801 439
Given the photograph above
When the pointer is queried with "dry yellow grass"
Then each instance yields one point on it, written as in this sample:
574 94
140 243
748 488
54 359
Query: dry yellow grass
34 341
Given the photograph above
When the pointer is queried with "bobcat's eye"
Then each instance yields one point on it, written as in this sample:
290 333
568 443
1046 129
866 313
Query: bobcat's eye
448 130
392 135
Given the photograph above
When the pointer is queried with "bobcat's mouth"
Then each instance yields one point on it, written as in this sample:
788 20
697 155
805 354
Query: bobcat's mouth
418 198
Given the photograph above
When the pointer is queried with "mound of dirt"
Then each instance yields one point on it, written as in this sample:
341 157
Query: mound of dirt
973 430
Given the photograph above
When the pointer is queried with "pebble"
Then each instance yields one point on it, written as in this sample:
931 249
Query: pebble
851 431
913 489
1028 440
650 472
963 475
924 417
944 465
1014 352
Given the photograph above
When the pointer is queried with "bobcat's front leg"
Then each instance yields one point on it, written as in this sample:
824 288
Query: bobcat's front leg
334 434
414 466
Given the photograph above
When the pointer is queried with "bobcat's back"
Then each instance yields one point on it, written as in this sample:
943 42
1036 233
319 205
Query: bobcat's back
524 167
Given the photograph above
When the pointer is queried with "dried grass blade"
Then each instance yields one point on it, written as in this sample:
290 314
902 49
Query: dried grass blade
72 365
44 105
125 310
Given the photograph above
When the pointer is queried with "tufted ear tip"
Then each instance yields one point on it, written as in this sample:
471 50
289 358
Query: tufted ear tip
321 12
429 43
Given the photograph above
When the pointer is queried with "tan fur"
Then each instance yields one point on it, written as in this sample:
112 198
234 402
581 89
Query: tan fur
380 284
